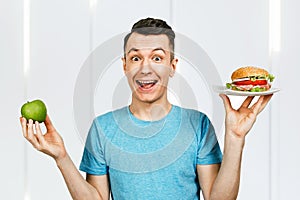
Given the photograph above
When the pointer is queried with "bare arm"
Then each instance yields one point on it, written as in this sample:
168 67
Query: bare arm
207 175
223 183
94 187
51 143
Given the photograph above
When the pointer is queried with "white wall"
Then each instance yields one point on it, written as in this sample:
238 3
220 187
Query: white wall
12 93
288 102
59 45
64 33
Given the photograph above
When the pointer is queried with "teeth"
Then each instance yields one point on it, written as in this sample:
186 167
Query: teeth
146 82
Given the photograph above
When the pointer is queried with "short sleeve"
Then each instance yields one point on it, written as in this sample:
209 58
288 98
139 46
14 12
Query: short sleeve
209 151
93 161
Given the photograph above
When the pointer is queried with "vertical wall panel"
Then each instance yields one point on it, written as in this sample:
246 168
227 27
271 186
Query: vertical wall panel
288 113
115 17
12 97
59 47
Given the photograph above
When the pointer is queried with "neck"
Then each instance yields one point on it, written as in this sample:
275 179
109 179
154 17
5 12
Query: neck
150 111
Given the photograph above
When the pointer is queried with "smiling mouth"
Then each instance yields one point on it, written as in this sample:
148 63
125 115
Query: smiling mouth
146 84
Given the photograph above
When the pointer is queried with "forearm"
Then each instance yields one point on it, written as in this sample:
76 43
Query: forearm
78 187
226 185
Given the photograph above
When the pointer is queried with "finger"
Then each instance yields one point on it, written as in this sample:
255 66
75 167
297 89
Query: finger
48 124
247 101
257 107
23 122
30 134
39 133
265 101
226 102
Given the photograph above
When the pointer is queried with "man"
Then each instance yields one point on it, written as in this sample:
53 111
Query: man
152 149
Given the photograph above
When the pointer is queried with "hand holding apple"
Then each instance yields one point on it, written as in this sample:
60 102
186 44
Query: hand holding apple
50 143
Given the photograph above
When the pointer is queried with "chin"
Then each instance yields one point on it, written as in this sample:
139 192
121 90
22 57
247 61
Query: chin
147 98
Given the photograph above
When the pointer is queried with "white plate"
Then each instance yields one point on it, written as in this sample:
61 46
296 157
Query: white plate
224 90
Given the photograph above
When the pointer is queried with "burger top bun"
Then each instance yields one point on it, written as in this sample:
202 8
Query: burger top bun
248 71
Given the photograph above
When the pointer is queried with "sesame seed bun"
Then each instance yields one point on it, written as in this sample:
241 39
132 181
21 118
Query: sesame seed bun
248 71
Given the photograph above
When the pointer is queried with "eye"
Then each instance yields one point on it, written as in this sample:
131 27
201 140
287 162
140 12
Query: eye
157 58
135 58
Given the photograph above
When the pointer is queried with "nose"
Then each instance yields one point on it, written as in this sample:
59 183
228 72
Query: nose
146 67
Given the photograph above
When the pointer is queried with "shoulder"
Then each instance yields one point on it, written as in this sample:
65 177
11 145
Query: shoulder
109 118
192 114
109 115
197 119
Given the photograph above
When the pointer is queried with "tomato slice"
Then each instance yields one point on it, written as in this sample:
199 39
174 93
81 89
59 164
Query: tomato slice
249 82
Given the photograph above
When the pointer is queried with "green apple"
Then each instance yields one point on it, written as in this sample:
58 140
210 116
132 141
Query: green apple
35 110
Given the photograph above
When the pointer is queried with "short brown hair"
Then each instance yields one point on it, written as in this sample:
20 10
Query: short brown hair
151 26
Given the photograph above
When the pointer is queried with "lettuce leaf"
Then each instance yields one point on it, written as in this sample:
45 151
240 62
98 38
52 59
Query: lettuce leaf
271 77
257 89
228 85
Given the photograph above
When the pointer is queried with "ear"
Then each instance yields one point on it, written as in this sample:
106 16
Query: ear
124 64
173 66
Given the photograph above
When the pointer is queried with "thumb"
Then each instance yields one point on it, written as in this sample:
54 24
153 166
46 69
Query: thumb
49 124
226 102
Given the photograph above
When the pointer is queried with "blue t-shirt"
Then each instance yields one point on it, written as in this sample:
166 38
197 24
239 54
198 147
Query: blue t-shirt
151 159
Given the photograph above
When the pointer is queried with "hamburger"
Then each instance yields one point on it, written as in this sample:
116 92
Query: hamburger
250 79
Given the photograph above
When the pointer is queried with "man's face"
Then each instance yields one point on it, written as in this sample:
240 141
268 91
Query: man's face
148 66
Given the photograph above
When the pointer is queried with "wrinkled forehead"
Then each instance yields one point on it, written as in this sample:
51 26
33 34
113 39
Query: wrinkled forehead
139 41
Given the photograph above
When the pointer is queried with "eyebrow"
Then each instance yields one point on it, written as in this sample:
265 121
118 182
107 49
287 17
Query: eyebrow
156 49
